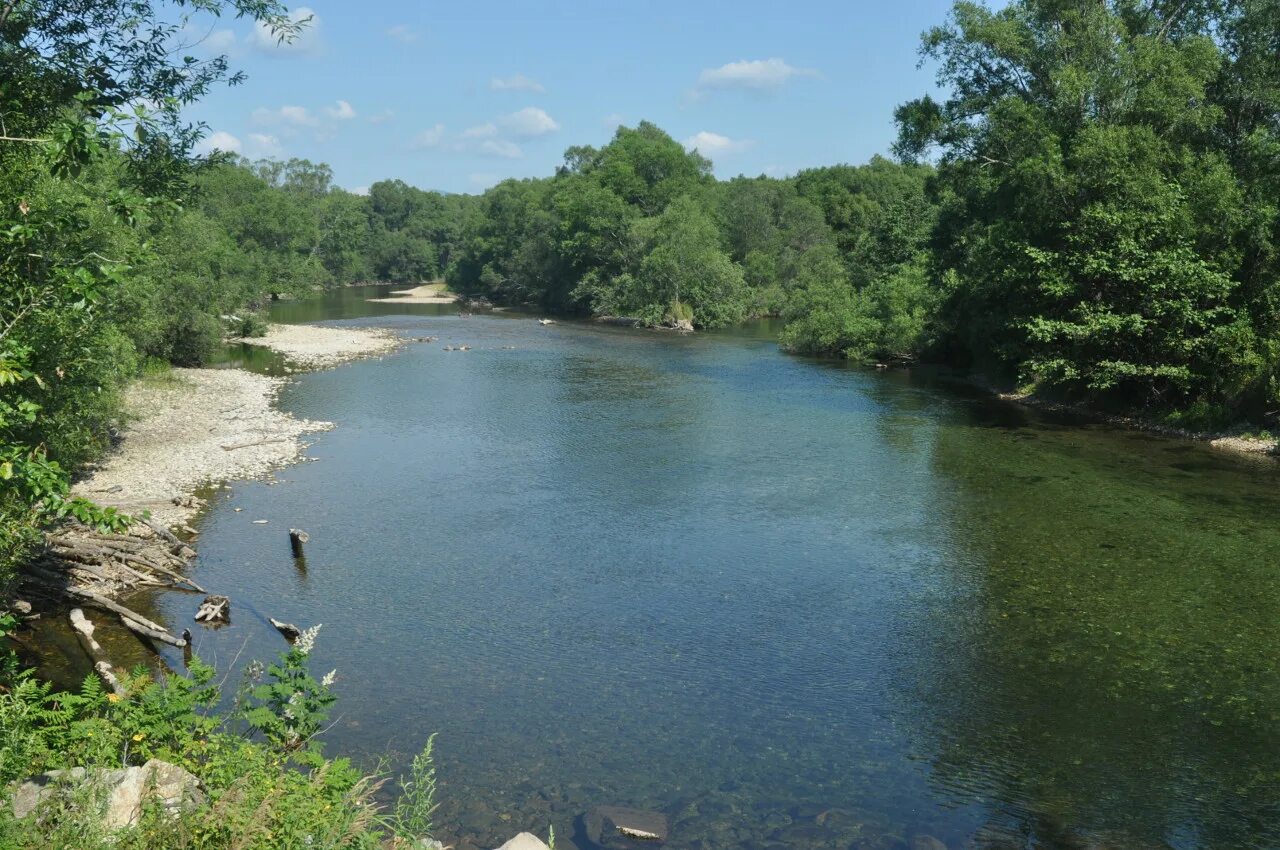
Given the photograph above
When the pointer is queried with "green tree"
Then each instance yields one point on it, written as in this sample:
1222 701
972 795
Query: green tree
1094 178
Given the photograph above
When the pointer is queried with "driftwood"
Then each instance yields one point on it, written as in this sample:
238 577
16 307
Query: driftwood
297 537
84 631
163 532
119 561
289 630
214 609
115 607
155 634
235 446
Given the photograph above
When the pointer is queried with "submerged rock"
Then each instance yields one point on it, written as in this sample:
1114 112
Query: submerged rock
525 841
122 792
612 826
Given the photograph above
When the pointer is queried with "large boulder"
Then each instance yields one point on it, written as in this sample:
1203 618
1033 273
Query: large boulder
121 792
611 827
525 841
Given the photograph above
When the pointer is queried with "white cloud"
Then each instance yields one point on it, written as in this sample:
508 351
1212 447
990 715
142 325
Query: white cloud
529 122
341 111
220 41
757 75
481 131
614 120
402 33
382 117
430 138
714 144
518 82
482 139
501 148
293 116
220 140
263 145
360 190
307 41
484 179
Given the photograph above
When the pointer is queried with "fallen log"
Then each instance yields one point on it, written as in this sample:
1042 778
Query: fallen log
101 601
155 634
61 568
289 630
164 533
177 578
232 448
84 631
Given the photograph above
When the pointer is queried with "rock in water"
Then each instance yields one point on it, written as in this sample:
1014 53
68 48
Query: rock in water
926 842
612 826
122 791
525 841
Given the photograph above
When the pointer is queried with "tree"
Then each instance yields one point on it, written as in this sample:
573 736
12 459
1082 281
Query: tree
73 78
1094 209
685 266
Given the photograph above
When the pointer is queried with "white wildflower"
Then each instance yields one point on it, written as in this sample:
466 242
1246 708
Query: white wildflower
329 678
307 640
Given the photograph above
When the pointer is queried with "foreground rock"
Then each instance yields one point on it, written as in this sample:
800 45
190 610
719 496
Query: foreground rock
525 841
122 792
611 827
316 347
195 427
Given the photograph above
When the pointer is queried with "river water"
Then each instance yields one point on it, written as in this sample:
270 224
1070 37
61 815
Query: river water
787 603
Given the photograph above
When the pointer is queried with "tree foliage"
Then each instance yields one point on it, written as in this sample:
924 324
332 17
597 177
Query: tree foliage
1108 182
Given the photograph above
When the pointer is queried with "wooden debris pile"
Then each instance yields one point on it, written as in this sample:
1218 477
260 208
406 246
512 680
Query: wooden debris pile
85 567
109 564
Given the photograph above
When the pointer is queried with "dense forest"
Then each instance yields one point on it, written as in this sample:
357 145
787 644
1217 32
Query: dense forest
1090 212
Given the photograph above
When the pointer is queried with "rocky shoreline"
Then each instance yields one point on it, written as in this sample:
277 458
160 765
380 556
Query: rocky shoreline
1224 441
310 347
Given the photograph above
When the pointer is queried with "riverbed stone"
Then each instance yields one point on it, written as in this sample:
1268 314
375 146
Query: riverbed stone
616 827
525 841
921 841
122 791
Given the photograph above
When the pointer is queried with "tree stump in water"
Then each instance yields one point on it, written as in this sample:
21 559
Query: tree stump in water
289 630
214 609
297 537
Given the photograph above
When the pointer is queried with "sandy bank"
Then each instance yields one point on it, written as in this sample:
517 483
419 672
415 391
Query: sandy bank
428 293
195 427
315 347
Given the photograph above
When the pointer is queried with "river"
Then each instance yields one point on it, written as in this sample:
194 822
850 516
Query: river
788 603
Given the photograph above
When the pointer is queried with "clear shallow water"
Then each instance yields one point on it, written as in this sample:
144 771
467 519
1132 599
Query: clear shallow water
789 604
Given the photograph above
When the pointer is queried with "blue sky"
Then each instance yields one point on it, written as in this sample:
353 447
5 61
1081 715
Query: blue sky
458 96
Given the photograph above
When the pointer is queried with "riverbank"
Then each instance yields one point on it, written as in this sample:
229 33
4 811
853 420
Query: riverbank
1239 443
316 347
428 293
191 428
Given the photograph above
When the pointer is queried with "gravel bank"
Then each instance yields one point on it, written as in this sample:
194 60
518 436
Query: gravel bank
315 347
430 293
195 427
